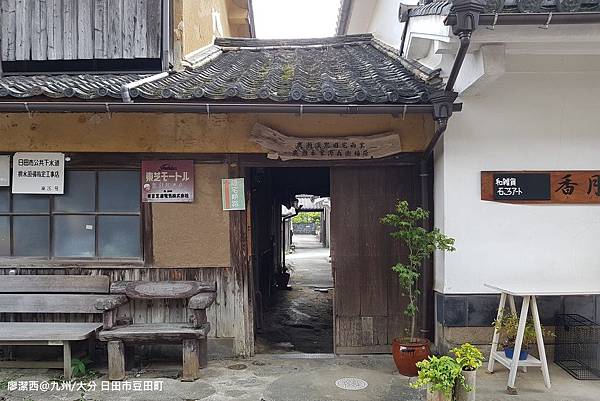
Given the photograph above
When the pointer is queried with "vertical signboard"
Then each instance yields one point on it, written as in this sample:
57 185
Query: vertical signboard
232 191
4 171
170 181
38 173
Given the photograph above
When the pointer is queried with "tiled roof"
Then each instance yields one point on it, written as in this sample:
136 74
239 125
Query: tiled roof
444 7
347 69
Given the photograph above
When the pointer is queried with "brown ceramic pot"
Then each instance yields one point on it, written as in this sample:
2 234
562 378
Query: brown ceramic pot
407 353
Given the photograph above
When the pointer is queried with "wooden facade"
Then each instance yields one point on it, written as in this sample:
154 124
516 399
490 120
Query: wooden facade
80 29
369 304
199 241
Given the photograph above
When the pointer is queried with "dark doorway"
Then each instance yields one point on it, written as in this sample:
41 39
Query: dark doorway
363 312
290 239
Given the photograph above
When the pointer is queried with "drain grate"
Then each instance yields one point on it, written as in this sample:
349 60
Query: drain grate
351 383
303 356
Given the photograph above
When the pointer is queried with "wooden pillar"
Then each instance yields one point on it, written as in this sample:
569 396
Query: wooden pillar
238 234
191 360
67 360
116 360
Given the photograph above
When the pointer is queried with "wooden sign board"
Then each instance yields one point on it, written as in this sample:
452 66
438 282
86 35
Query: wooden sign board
575 187
280 146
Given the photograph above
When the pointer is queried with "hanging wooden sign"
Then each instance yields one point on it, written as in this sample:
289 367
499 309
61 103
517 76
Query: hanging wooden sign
575 187
280 146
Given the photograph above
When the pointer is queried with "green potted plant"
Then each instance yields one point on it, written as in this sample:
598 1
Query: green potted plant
507 325
439 375
420 243
469 358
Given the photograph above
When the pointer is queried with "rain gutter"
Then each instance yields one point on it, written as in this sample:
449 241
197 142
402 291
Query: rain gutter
541 19
208 108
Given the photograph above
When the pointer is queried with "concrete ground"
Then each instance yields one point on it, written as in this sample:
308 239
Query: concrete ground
301 319
288 378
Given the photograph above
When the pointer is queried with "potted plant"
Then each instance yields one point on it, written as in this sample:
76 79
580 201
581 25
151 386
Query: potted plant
507 325
421 243
282 277
439 375
469 358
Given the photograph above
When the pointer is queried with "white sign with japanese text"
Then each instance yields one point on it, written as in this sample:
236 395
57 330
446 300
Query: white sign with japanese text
4 171
38 173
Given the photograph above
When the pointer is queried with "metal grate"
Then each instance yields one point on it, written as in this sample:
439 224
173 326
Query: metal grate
577 347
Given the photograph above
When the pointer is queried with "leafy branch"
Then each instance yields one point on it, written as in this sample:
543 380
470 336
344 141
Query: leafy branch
421 244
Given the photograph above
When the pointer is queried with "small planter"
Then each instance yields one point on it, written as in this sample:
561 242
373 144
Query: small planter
509 352
461 393
407 353
282 279
437 396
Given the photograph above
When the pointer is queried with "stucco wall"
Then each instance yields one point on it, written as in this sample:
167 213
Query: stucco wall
194 234
193 133
531 121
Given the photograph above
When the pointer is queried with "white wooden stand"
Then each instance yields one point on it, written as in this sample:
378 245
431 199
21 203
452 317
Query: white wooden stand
514 363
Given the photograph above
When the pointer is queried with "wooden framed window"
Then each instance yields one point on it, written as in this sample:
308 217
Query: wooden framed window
98 217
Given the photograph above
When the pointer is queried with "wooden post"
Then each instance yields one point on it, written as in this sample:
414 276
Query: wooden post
67 359
191 360
241 268
116 360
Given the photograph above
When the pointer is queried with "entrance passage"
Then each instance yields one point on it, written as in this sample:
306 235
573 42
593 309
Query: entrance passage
293 281
301 318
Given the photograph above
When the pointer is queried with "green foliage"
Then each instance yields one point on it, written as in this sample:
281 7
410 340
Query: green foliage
307 218
79 367
507 325
439 374
421 244
468 357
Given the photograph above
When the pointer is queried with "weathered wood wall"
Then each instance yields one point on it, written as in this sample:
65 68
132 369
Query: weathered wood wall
226 315
80 29
368 305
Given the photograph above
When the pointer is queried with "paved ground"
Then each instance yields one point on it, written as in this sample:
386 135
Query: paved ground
280 378
301 319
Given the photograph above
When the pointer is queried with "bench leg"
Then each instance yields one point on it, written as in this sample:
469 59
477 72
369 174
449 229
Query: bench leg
67 360
191 360
203 353
116 360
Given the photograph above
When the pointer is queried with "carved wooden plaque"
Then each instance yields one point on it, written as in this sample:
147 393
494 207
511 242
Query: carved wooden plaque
280 146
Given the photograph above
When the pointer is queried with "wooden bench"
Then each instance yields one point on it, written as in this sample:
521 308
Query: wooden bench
51 294
193 334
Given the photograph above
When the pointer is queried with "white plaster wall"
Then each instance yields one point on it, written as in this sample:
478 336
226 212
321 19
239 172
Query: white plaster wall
523 121
385 24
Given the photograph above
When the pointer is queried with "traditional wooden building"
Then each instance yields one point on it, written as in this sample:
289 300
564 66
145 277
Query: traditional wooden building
344 117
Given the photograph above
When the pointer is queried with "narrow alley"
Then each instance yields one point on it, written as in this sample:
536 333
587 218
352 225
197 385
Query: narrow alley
301 318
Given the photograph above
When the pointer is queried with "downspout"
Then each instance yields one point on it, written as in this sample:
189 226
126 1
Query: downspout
467 19
126 89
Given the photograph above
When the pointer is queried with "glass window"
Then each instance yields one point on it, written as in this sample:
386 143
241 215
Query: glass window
97 217
4 235
80 193
73 236
118 236
4 200
31 235
118 191
30 203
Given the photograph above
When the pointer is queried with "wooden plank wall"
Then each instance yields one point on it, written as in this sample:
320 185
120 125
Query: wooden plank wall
368 305
225 315
80 29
